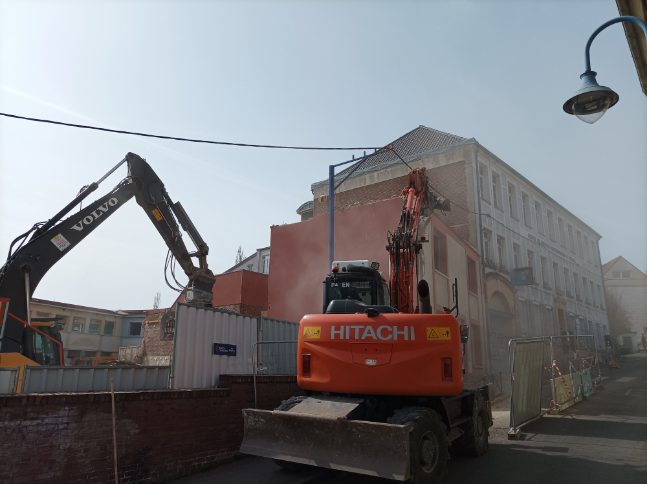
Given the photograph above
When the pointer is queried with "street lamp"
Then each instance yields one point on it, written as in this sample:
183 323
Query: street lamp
592 100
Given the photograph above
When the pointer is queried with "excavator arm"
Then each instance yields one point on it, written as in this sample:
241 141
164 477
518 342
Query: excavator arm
44 245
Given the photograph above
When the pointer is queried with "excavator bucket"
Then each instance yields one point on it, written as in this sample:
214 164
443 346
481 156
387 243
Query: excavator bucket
371 448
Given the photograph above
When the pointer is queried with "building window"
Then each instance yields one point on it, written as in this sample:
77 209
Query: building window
440 252
579 244
496 191
539 216
594 252
592 291
531 263
78 324
558 286
109 328
266 264
571 240
485 188
551 225
500 246
135 329
95 326
472 284
487 246
516 254
567 282
601 298
585 289
562 233
576 286
525 202
544 272
512 201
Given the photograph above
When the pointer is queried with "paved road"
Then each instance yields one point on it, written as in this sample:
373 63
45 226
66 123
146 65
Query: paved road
600 440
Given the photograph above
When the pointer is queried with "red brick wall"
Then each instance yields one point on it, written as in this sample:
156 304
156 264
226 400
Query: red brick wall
244 292
161 435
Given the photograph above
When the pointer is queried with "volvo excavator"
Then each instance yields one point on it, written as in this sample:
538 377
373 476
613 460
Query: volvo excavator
382 381
32 341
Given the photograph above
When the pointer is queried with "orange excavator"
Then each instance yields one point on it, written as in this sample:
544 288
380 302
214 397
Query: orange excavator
384 392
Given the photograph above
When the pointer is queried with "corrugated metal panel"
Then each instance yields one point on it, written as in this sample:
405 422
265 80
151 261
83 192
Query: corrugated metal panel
43 379
196 330
8 378
277 358
527 371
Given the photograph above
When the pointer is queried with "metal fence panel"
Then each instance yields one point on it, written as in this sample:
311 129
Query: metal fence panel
277 359
197 363
8 377
47 379
587 382
527 368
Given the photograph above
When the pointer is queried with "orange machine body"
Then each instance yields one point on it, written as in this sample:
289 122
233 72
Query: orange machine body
387 354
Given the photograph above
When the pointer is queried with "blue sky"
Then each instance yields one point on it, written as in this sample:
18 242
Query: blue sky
303 73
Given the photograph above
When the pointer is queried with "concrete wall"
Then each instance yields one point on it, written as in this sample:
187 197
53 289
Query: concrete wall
161 435
300 254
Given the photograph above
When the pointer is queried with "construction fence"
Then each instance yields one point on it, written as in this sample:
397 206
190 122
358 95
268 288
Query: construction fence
210 342
550 374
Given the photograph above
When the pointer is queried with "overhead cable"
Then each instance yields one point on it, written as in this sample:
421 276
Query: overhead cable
190 140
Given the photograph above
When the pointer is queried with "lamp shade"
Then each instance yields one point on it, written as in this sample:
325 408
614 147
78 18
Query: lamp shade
592 100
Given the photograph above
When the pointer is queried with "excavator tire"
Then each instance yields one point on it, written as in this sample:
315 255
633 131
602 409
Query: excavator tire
429 444
286 465
474 441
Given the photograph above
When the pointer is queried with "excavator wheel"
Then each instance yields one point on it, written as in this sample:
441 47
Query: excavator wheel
286 465
429 444
474 441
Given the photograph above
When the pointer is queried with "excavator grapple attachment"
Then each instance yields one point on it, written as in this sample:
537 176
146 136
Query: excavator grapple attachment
371 448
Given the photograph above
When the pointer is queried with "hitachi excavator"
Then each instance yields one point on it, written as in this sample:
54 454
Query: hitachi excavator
384 392
31 341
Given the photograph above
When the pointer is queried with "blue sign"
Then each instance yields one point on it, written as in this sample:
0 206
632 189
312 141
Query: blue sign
224 349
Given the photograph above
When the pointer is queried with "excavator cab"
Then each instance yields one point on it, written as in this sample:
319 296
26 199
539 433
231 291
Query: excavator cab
354 286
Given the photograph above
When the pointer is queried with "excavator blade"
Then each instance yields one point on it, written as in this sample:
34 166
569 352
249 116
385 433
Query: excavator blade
371 448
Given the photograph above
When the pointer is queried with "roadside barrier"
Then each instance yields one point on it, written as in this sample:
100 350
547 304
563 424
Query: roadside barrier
550 374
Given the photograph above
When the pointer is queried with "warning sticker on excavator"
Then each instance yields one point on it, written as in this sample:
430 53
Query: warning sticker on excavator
157 214
312 332
439 333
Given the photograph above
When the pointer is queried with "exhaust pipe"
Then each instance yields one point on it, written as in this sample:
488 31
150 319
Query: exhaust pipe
424 298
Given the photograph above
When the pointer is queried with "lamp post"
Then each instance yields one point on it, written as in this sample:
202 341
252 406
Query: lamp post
591 101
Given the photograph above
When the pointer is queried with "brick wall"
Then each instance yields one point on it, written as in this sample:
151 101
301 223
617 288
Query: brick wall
161 435
374 192
154 344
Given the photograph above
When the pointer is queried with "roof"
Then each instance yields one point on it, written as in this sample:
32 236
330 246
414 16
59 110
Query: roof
245 260
419 140
75 306
607 267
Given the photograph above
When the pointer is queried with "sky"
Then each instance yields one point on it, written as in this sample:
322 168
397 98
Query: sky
313 73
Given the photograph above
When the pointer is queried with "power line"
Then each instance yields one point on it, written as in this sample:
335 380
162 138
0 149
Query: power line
190 140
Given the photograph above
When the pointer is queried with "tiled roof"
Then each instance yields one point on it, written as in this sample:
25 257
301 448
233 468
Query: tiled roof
419 140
